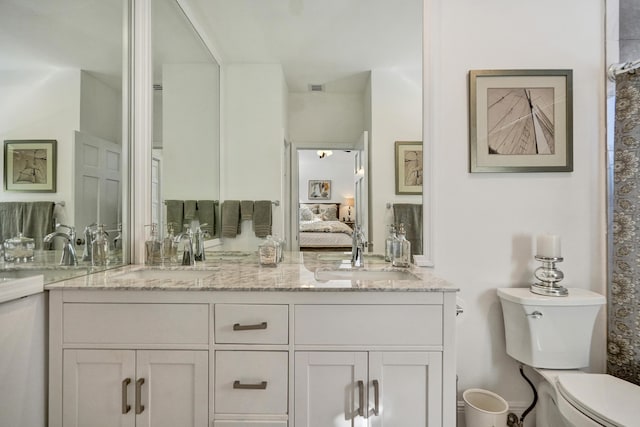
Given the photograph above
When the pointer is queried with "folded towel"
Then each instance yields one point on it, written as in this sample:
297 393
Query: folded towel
411 216
207 215
262 218
230 218
37 221
10 219
246 210
190 207
175 214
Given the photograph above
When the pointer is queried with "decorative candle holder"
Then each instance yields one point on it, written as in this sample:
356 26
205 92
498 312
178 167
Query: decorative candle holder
549 276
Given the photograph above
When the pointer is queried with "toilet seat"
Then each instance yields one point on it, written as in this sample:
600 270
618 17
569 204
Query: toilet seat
608 400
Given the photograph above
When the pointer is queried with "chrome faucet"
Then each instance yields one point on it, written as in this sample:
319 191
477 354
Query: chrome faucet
68 251
357 248
198 243
187 252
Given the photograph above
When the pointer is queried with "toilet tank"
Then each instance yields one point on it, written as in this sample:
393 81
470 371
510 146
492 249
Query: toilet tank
549 332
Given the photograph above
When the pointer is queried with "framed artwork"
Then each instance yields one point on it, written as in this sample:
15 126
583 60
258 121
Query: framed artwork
30 165
520 121
409 170
319 189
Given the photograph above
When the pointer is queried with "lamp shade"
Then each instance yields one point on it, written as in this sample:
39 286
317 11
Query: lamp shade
349 201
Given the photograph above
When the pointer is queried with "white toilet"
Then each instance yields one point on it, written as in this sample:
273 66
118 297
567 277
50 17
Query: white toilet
553 335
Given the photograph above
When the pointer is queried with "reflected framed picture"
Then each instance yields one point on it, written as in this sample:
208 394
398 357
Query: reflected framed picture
30 165
409 170
319 189
520 121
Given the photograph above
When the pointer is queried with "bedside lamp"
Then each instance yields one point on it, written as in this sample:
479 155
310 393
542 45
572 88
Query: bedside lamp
349 202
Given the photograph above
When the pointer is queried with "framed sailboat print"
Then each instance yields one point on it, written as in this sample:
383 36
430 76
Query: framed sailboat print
520 121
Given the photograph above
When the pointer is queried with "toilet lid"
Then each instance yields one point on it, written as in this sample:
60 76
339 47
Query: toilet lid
604 398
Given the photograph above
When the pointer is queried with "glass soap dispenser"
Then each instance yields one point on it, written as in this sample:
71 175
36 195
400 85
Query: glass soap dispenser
169 246
402 256
100 247
153 247
389 243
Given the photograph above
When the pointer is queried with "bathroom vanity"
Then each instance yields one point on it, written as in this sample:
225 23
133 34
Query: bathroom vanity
232 344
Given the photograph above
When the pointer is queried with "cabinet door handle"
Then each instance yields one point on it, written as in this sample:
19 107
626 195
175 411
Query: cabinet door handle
125 407
376 398
239 327
260 386
139 405
361 398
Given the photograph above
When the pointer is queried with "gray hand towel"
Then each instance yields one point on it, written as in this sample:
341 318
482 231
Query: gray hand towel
37 221
411 216
175 214
230 218
246 210
190 207
207 215
262 218
10 219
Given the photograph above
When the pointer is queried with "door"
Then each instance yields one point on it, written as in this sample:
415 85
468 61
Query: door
404 389
330 389
175 390
96 384
98 190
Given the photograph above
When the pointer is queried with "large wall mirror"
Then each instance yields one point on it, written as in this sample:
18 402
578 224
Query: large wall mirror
186 124
331 75
62 73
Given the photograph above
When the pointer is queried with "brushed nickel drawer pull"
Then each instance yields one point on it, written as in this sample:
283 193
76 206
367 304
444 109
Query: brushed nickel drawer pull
361 398
125 407
139 405
239 327
240 386
376 398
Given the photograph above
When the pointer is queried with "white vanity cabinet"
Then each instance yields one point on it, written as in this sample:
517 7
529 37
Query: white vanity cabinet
251 359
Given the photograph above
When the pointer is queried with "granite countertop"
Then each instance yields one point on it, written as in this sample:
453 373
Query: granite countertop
240 271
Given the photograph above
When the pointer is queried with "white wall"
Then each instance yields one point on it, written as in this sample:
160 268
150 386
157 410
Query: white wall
253 142
338 168
325 117
100 108
42 104
396 115
190 132
485 224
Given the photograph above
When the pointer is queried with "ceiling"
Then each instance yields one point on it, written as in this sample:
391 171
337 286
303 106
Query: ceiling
330 42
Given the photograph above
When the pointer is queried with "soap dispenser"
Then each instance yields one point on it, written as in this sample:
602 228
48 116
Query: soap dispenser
169 246
402 254
198 243
153 247
389 243
100 247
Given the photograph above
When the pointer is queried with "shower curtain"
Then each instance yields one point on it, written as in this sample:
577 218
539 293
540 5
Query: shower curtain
623 299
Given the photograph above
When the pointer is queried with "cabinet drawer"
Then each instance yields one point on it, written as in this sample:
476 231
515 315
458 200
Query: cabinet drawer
251 382
368 324
251 324
177 324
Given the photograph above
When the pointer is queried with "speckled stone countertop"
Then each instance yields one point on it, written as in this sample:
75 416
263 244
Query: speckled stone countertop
240 271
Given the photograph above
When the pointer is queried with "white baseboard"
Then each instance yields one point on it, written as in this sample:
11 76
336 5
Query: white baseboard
516 407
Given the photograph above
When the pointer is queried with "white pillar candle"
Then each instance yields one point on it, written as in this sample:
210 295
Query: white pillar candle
548 245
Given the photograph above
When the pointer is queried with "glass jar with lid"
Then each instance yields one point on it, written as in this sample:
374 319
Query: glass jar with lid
19 249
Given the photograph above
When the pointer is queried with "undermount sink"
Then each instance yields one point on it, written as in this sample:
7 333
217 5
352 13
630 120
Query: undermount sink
157 274
355 274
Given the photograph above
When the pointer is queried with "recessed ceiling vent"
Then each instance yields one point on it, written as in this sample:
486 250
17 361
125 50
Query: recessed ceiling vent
316 88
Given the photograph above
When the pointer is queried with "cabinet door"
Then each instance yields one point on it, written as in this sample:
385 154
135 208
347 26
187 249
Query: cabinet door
175 389
94 384
326 389
407 387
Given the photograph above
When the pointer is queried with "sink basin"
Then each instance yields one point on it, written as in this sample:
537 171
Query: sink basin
152 274
348 274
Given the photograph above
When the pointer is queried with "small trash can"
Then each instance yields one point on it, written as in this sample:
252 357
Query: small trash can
483 408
